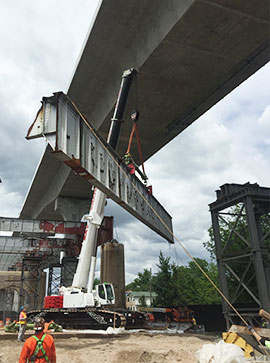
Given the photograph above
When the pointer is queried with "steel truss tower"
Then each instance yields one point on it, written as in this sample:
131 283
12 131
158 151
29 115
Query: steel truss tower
243 253
68 269
54 278
30 282
61 274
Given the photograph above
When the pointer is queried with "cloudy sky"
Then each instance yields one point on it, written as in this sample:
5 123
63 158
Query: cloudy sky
40 43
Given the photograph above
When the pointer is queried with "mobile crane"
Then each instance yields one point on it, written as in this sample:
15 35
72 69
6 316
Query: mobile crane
81 306
81 293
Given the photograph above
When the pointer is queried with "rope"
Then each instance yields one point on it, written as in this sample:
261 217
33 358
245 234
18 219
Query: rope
139 147
164 224
130 137
134 95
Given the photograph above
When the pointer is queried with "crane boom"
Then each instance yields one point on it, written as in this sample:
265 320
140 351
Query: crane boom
84 276
82 279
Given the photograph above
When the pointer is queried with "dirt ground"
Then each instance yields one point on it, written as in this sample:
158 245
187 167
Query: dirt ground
121 348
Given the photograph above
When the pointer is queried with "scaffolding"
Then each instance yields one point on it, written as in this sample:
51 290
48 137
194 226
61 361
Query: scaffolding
243 253
37 238
10 307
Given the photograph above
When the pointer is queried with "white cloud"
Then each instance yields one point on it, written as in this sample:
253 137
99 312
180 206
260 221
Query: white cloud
229 144
40 44
264 123
10 201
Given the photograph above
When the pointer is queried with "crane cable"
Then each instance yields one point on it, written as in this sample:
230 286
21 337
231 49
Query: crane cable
162 221
134 118
135 129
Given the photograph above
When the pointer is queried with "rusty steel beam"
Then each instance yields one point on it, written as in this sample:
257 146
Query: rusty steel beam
35 227
12 249
41 226
31 236
8 243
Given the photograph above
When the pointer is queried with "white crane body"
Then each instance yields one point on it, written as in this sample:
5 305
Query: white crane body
81 293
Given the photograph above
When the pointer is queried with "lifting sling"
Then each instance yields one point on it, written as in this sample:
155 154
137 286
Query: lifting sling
128 158
38 348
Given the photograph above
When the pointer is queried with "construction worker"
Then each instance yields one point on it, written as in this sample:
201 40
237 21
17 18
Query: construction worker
265 324
133 166
39 347
264 341
129 162
194 322
22 324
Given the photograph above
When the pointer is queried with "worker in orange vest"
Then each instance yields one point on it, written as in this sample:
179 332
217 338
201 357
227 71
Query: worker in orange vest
22 324
39 347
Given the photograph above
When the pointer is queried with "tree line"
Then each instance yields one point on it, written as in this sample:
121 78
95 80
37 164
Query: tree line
187 285
179 285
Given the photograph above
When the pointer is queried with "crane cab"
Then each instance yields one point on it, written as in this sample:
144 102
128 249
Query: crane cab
105 294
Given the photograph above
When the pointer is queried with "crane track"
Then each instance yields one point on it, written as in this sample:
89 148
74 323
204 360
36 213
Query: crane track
86 318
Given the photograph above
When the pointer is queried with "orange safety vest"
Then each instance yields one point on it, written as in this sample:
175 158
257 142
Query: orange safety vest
30 346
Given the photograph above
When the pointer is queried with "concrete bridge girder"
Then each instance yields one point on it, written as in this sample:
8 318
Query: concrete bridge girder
54 189
190 54
72 209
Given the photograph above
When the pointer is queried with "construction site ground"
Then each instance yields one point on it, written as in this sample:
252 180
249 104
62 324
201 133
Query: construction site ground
124 347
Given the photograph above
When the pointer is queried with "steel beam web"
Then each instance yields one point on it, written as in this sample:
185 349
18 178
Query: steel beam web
77 144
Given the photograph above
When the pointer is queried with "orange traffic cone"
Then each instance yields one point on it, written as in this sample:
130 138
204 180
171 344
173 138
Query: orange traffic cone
8 321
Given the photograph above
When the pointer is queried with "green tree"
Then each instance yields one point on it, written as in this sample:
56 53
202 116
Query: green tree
142 282
179 285
192 287
96 281
162 283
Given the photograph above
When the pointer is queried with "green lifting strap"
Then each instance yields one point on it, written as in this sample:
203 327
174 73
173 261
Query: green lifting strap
38 348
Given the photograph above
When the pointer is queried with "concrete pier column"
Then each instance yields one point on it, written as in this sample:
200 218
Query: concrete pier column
112 270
